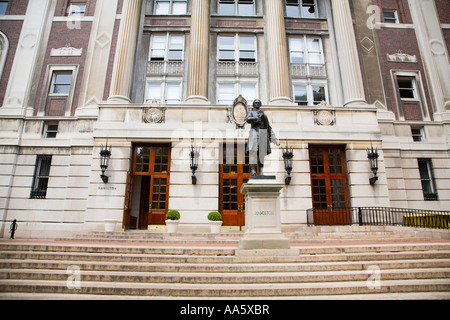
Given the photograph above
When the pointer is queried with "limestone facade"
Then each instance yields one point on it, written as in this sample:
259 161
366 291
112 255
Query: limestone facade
337 74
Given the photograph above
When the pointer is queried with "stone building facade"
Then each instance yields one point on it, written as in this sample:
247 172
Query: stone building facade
151 78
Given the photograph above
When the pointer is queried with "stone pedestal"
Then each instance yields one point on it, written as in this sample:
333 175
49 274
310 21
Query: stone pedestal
262 215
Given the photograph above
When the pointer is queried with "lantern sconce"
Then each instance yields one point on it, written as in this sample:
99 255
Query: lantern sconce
372 155
288 155
194 156
105 155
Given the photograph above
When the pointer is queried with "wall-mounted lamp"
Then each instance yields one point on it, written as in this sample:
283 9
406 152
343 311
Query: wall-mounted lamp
194 155
288 155
105 154
372 155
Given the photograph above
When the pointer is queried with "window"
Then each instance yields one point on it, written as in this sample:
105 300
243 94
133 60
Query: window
61 83
406 87
305 50
309 94
165 92
237 48
171 7
50 130
41 176
390 16
167 47
3 6
301 9
427 179
417 134
227 92
236 7
76 10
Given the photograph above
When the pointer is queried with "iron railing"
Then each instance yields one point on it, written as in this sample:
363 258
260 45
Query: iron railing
380 216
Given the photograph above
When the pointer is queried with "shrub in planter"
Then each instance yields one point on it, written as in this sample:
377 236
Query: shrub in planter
214 216
173 215
215 221
172 221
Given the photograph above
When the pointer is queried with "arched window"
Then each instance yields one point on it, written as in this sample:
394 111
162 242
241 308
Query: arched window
4 47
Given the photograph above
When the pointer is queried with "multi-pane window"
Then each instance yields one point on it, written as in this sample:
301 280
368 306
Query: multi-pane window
50 129
41 176
165 68
227 92
390 16
167 47
407 87
309 94
3 6
61 83
76 10
236 7
305 50
237 48
170 7
427 179
301 9
164 92
417 134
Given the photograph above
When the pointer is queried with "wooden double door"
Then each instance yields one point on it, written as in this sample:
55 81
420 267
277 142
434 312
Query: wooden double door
234 172
147 190
329 185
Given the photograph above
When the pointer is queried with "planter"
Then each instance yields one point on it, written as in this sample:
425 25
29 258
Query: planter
110 225
215 226
172 226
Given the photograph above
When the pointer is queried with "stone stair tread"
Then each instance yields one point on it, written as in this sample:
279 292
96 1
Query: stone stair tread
271 289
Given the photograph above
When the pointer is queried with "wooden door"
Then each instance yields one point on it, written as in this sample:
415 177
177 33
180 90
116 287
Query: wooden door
329 185
234 171
153 163
127 222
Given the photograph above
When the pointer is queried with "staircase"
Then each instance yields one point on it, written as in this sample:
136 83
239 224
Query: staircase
126 266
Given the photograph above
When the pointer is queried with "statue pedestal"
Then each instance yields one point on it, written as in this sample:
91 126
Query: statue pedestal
262 215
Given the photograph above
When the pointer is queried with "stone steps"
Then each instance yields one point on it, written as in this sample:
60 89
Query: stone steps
42 269
226 290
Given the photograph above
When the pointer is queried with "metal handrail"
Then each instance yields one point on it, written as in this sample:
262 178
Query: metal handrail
382 216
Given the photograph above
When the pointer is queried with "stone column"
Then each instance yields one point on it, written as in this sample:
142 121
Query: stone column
198 52
96 66
434 53
277 54
125 52
25 59
349 63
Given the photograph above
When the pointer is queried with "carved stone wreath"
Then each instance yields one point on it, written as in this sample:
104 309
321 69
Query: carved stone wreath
154 113
238 112
324 117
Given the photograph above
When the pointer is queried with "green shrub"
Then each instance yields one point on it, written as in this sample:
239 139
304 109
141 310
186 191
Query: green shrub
173 215
214 216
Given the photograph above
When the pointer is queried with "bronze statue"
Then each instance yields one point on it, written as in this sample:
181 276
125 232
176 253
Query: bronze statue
259 139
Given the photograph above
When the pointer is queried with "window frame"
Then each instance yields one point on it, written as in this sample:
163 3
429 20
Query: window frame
306 50
164 84
429 179
167 46
77 13
170 8
418 134
6 7
299 7
53 83
309 84
390 20
237 89
237 48
236 8
48 133
38 176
